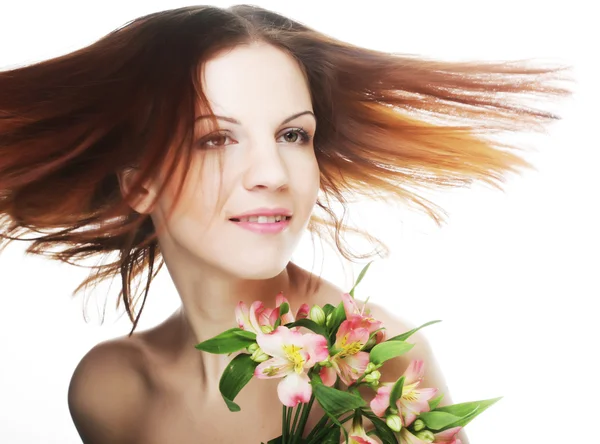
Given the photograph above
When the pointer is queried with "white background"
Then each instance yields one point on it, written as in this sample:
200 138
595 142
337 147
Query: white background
513 275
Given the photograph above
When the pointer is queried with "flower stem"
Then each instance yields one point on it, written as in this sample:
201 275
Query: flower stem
292 430
297 432
326 429
284 425
320 424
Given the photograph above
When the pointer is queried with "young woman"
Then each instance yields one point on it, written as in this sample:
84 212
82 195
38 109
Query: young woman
207 138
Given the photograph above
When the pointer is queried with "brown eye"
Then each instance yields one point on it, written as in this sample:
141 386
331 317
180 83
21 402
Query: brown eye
215 140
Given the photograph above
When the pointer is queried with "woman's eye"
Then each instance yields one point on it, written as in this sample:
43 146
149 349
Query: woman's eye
297 135
298 132
209 141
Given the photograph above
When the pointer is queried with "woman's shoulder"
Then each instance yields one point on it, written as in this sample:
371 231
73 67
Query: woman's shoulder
107 391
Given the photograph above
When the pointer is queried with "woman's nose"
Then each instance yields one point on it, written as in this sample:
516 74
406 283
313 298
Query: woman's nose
266 168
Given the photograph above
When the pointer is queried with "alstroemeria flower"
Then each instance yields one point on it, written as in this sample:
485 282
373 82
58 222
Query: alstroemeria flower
349 363
370 323
293 353
358 435
260 319
448 436
405 437
412 402
445 437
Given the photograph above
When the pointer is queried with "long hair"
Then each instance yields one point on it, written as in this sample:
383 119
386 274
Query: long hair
388 124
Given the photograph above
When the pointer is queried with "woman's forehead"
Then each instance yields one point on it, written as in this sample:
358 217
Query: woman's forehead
251 78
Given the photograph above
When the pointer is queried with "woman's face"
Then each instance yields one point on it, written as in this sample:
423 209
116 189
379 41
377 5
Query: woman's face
267 162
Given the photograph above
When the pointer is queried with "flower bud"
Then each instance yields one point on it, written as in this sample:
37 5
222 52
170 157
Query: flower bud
371 342
373 377
266 329
394 422
317 314
328 320
393 410
259 355
426 436
325 363
252 347
370 368
418 425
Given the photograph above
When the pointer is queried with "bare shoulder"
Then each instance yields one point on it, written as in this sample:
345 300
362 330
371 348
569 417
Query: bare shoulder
108 392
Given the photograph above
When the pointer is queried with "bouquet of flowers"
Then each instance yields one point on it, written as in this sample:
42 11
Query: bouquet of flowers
342 343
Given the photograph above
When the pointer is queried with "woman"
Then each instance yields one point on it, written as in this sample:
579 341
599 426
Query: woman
117 147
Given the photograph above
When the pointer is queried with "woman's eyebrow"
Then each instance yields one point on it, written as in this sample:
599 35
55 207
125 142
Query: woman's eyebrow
237 122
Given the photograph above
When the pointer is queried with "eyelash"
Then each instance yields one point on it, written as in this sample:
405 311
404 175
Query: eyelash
305 137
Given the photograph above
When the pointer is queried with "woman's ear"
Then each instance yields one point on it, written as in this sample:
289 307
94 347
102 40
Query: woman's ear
140 200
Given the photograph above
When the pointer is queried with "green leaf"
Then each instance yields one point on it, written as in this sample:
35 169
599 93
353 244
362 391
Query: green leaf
235 376
405 336
396 392
284 308
278 440
388 350
246 334
438 420
433 403
466 411
381 429
328 308
335 402
338 315
333 437
227 342
361 275
311 325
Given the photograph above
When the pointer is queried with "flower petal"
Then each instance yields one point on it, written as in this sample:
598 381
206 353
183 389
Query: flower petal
289 316
414 402
381 401
273 343
256 310
315 346
328 376
273 368
414 372
350 306
241 316
303 311
448 436
352 367
408 438
294 388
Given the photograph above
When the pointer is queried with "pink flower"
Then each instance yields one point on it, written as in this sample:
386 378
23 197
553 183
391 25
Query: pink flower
349 362
445 437
358 435
448 436
292 353
364 314
405 437
262 320
412 402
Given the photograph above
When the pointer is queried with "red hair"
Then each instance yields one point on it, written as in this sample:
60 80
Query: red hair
388 124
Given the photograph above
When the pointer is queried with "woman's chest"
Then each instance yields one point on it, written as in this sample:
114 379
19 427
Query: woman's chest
188 417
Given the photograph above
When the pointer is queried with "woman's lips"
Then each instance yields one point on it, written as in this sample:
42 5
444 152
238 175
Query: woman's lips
264 228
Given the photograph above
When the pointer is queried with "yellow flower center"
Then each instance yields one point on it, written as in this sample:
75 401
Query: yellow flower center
292 352
349 349
270 371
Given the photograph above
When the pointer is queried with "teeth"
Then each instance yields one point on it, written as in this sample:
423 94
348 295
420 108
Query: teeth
264 219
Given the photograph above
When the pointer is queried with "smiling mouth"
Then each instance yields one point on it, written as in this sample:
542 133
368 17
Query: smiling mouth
262 219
